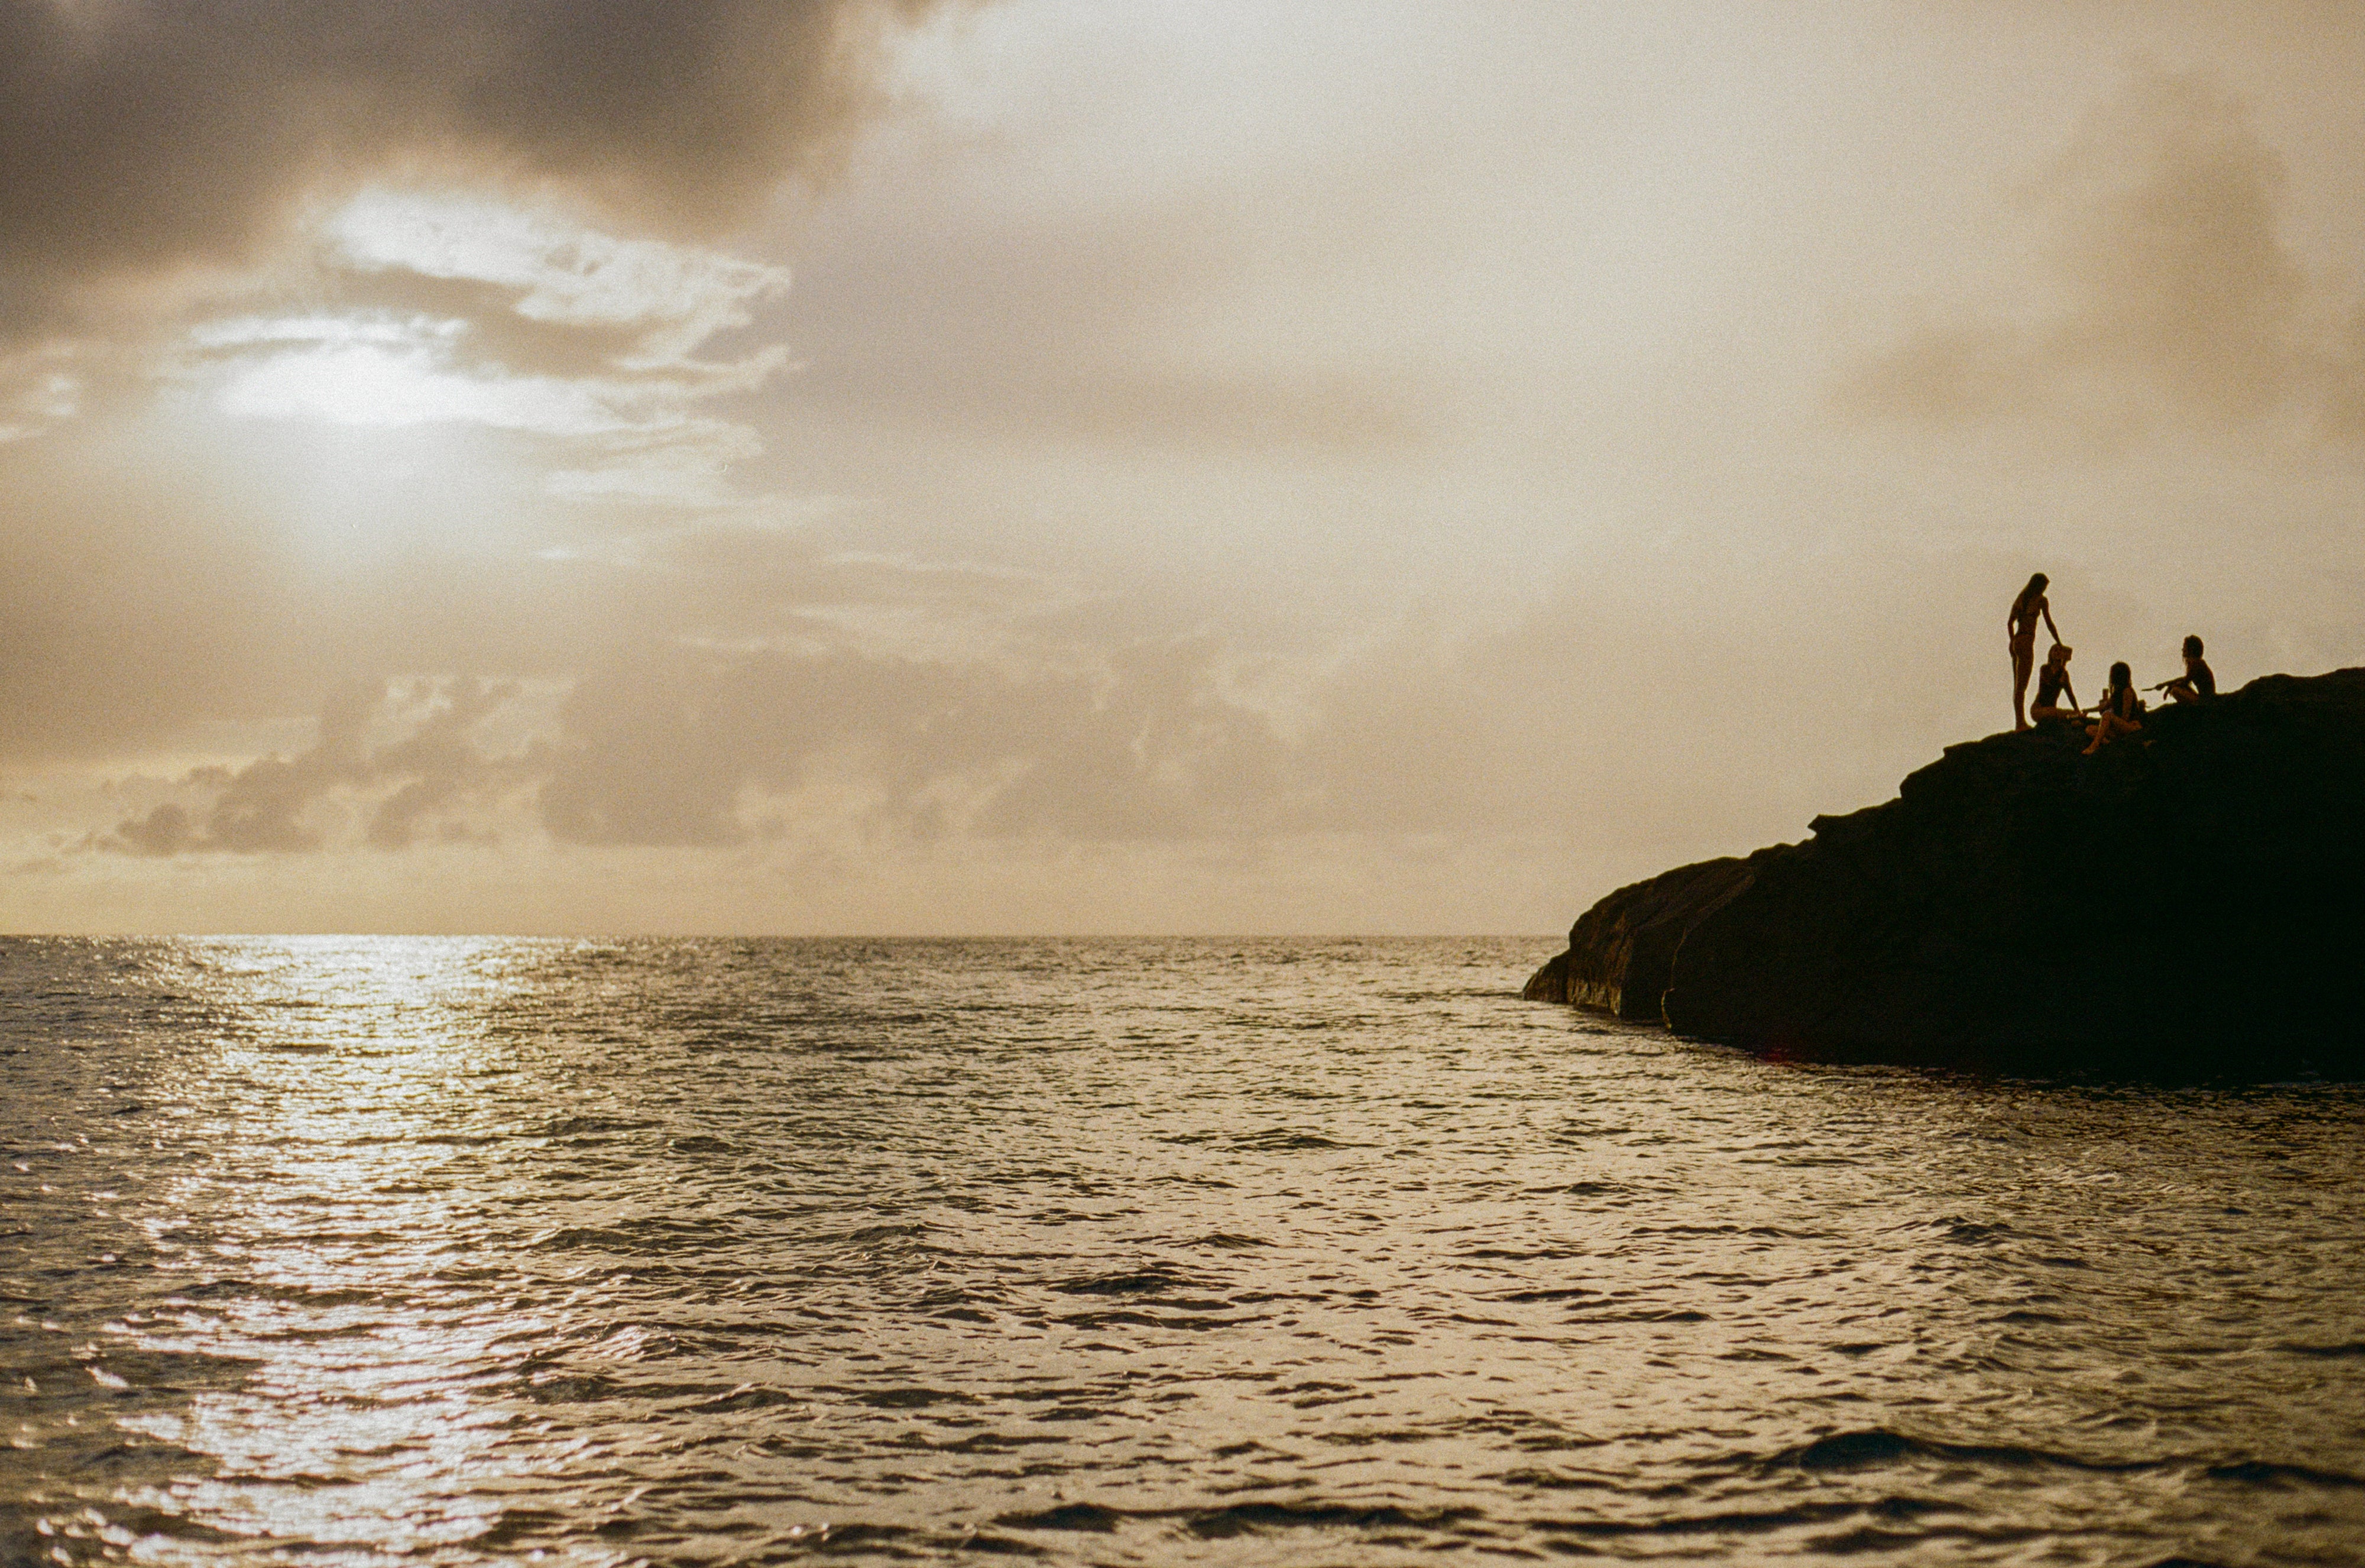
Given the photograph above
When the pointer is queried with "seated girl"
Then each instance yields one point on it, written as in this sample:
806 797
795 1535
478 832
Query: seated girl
2121 712
2198 683
2053 685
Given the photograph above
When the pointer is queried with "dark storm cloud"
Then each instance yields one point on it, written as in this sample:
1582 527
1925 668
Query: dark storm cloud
2182 305
136 136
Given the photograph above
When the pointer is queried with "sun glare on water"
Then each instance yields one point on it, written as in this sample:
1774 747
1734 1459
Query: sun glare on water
361 1053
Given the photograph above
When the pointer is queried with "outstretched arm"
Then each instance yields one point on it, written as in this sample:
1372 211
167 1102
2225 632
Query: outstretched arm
2048 609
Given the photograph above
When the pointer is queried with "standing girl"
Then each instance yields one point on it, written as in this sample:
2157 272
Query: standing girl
2020 627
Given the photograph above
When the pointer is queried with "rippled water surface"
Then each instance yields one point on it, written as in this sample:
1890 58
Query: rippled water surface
455 1251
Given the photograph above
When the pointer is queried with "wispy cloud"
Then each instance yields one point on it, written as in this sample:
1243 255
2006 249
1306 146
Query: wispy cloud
2178 304
533 323
38 386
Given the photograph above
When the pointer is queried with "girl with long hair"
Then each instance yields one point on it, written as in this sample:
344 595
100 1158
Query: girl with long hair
2020 629
2121 712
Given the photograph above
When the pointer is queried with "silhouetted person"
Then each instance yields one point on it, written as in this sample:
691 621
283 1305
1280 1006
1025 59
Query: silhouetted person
2021 626
2052 683
2197 684
2121 712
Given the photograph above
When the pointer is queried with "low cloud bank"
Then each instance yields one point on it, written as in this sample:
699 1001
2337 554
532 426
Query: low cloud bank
428 782
1759 709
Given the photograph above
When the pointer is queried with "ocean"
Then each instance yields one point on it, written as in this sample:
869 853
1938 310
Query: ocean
375 1250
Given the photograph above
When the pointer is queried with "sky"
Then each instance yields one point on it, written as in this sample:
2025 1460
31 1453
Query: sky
951 467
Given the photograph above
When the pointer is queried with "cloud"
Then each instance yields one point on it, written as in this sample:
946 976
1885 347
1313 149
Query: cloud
38 386
449 309
2178 304
684 747
429 780
1138 317
139 136
1642 706
400 215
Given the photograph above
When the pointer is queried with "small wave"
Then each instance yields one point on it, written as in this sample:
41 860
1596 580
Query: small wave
260 1289
606 1238
873 1235
1846 1450
1256 1519
1281 1141
1876 1445
892 1540
1148 1320
581 1127
996 1545
746 1396
1523 1254
1086 1517
911 1398
1972 1233
1137 1282
1748 1521
2259 1472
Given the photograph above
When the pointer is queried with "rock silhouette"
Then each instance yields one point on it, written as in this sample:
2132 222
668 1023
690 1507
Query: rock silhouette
2195 905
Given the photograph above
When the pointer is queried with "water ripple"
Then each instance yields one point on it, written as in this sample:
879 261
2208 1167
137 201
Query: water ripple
460 1251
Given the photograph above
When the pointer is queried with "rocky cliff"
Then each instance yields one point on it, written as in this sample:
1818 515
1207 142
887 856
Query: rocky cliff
2195 904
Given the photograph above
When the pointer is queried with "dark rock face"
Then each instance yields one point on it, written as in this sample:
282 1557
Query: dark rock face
2193 905
1621 952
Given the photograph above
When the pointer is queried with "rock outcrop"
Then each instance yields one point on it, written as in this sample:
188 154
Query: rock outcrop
2195 904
